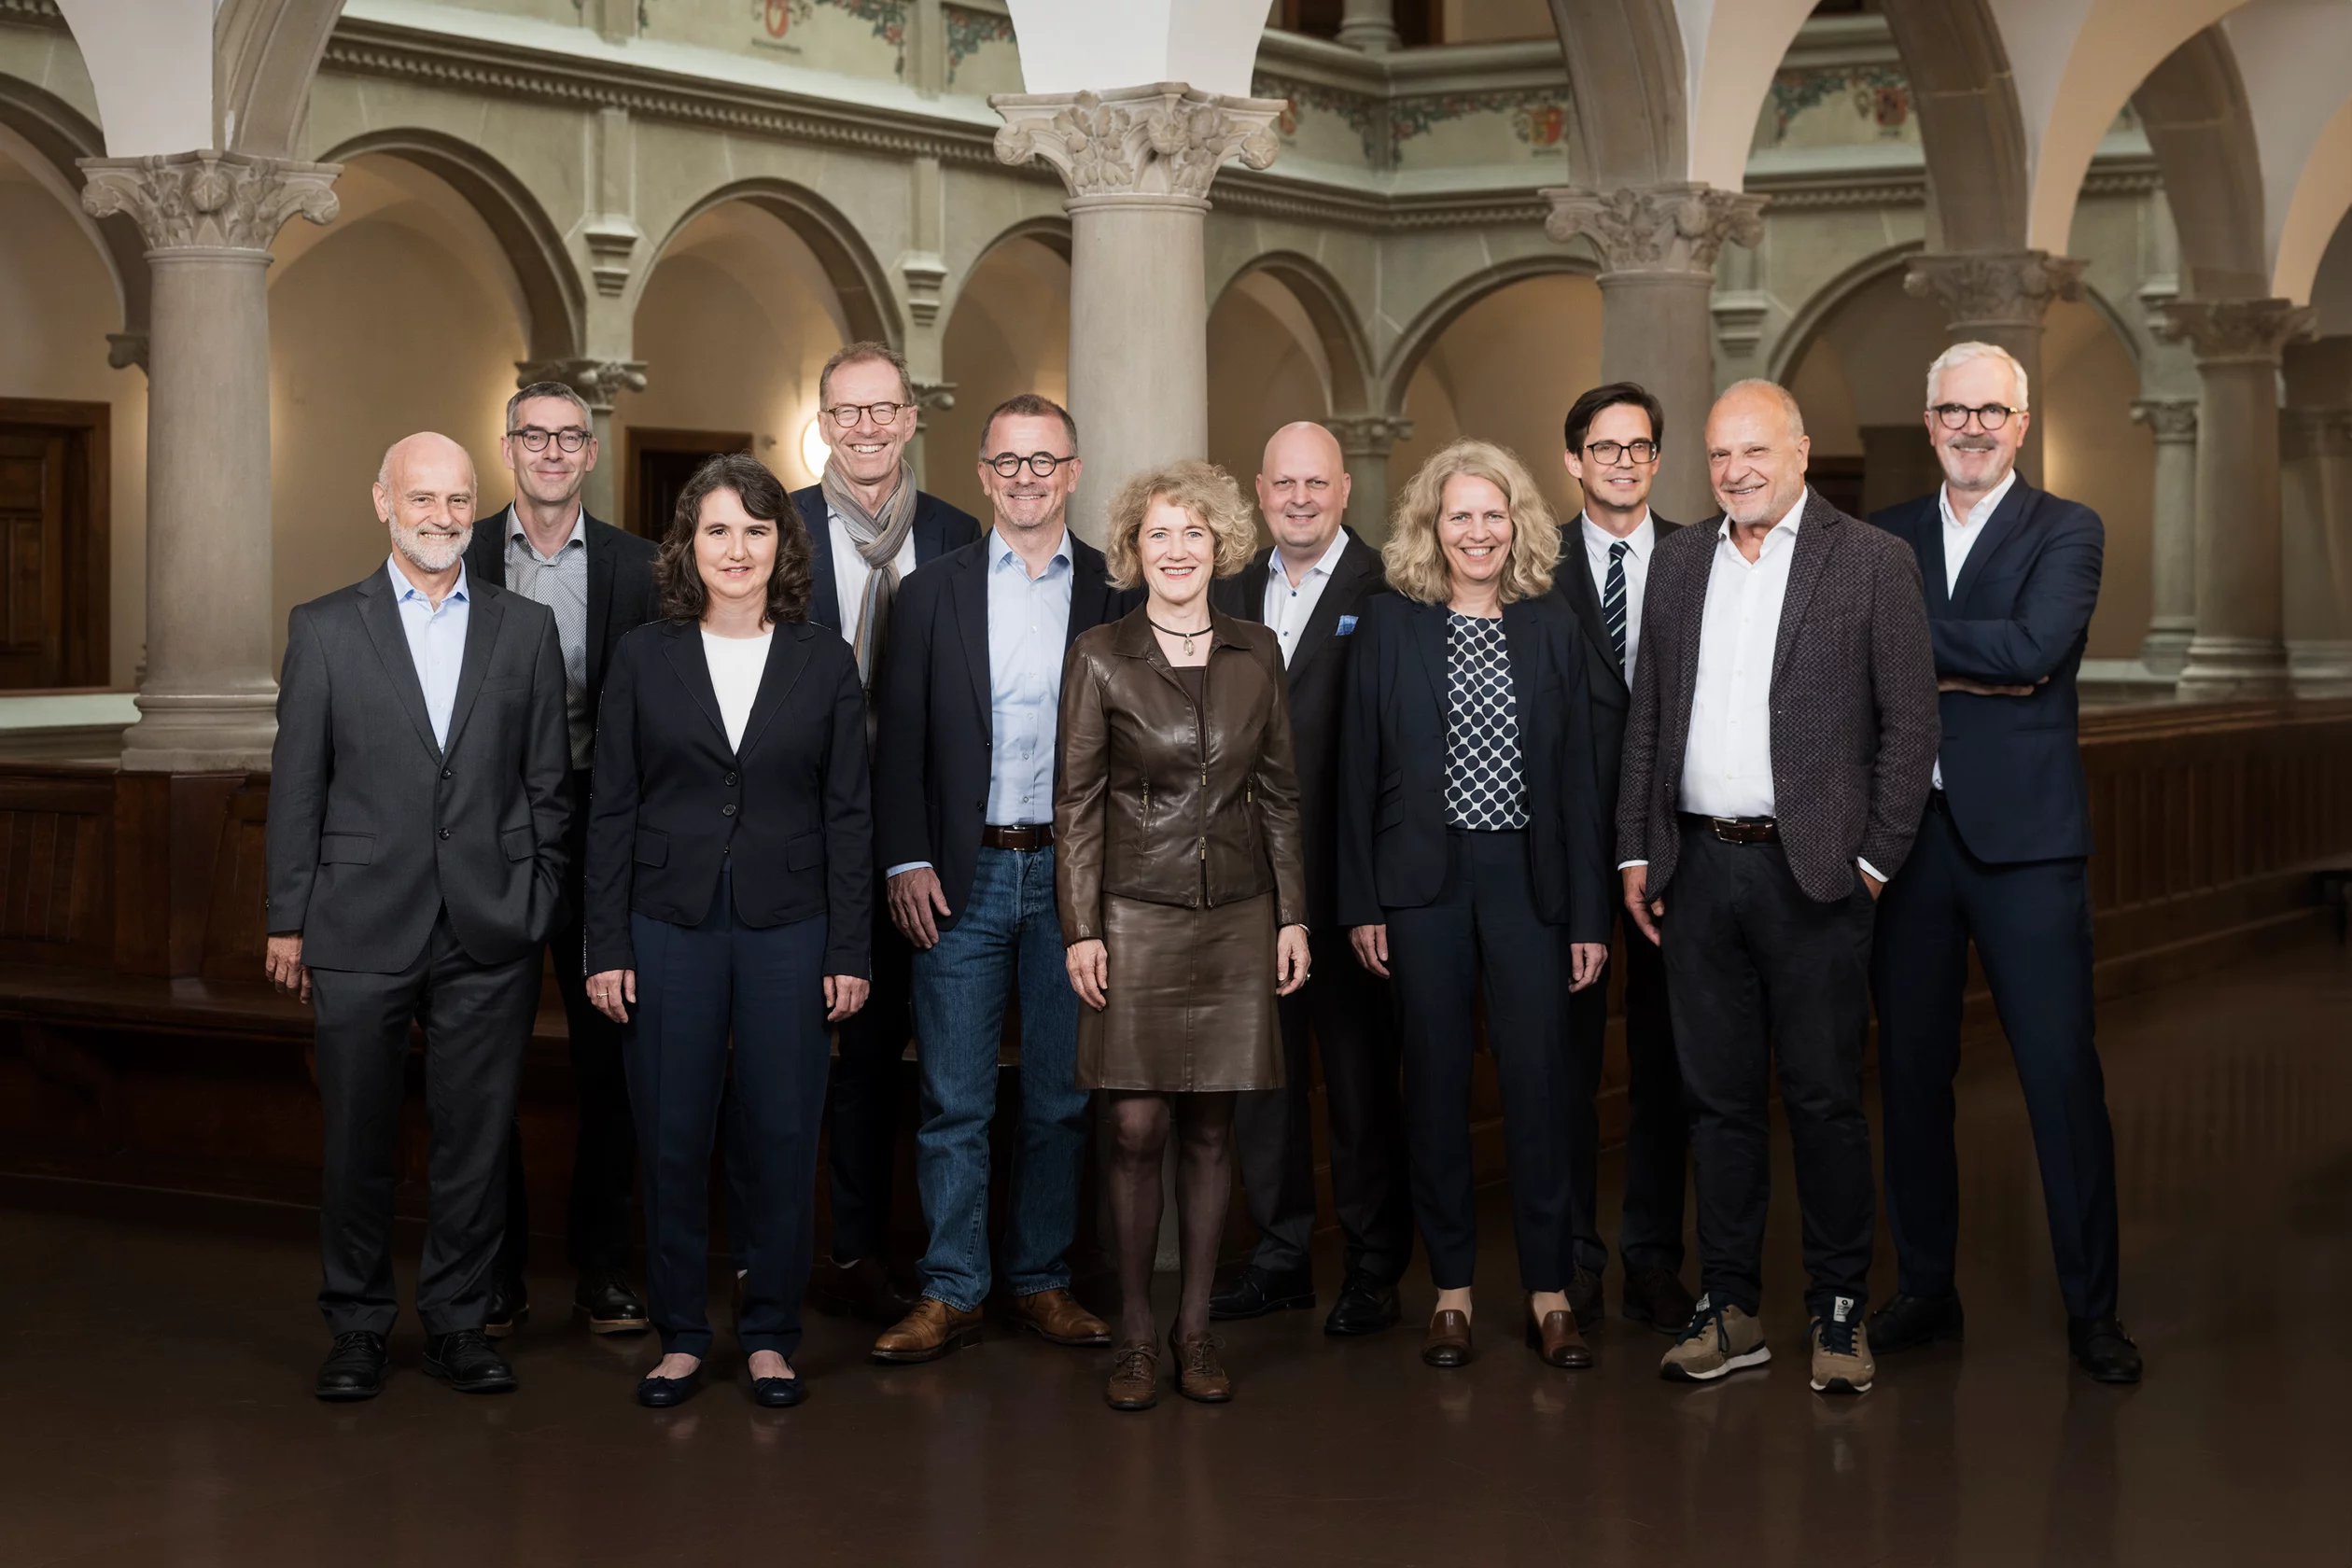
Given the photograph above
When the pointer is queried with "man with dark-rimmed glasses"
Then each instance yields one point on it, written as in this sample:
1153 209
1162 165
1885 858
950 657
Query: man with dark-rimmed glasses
964 813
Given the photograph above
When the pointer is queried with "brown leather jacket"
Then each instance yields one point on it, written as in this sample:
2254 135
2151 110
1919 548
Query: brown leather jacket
1166 802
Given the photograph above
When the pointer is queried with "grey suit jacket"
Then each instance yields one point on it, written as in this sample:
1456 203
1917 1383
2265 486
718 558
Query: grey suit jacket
1852 698
374 828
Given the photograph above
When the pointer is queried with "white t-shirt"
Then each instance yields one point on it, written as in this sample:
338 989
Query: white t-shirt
737 665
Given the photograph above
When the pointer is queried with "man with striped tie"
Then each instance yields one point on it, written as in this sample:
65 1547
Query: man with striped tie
1614 434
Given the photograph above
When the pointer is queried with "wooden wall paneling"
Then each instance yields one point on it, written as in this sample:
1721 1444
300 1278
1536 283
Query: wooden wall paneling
56 866
143 872
234 929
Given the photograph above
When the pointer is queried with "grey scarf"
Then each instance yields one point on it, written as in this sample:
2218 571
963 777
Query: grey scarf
878 539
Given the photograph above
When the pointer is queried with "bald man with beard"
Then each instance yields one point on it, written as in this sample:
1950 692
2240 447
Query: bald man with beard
419 798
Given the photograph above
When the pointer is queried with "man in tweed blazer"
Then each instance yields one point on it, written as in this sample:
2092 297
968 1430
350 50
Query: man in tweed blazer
1777 754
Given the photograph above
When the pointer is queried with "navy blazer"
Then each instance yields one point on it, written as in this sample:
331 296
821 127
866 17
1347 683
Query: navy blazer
1572 584
938 528
2021 613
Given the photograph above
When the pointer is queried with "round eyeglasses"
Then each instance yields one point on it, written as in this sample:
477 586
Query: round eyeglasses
1008 465
1954 417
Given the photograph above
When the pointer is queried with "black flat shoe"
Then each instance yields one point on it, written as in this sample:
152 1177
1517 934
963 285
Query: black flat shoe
609 1305
1583 1299
2102 1349
778 1394
510 1305
466 1361
1655 1295
1907 1322
1255 1292
1365 1305
660 1393
354 1369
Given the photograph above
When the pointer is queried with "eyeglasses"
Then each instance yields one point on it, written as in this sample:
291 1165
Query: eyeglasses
1607 452
569 440
1008 465
847 415
1954 417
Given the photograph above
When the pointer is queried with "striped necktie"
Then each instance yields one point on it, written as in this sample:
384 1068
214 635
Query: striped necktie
1613 602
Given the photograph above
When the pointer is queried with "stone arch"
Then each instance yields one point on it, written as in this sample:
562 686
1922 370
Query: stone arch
2193 106
266 52
528 238
868 306
55 137
1050 230
2315 210
1823 304
1413 344
1627 86
1971 131
1335 320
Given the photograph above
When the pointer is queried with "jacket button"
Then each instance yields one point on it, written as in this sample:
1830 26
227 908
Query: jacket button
730 778
727 810
444 773
444 833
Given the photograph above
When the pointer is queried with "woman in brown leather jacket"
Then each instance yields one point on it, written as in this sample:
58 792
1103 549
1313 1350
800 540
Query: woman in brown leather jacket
1183 889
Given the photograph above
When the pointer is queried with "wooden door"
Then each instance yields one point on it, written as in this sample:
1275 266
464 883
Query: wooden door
660 462
53 587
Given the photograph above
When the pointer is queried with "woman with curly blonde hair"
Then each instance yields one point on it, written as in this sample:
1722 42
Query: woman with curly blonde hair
1471 851
1183 887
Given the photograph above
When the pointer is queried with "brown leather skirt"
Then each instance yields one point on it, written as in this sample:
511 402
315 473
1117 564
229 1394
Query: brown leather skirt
1191 1000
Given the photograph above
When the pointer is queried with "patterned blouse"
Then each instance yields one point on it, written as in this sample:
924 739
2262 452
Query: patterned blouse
1486 789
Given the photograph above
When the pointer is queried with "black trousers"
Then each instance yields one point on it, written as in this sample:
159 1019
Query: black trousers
1657 1124
477 1021
1346 1010
871 1082
604 1139
1483 928
1760 975
2032 925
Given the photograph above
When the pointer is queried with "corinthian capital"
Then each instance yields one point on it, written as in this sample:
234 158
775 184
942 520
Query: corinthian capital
2168 419
1167 139
598 381
1655 228
210 200
2003 287
2236 331
1368 435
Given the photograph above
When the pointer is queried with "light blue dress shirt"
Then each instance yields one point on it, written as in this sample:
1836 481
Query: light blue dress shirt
1028 626
437 642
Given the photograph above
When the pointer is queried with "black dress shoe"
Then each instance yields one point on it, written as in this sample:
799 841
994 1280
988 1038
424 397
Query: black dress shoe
1655 1295
1255 1292
354 1369
609 1305
1907 1322
1365 1305
509 1304
2102 1349
863 1289
465 1361
660 1393
1584 1297
778 1394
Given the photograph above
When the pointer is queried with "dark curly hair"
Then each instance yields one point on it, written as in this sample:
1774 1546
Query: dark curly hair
763 496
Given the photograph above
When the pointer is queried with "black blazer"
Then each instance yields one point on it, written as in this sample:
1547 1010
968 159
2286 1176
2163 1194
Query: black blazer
673 801
1318 694
373 828
938 528
1571 582
1392 840
2020 612
931 756
622 594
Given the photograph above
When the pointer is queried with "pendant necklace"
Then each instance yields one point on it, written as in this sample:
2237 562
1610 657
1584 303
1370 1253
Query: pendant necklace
1170 631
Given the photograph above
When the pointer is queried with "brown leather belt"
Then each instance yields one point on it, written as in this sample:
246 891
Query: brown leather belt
1026 835
1738 830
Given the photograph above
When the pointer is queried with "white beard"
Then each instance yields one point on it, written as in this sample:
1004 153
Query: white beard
430 557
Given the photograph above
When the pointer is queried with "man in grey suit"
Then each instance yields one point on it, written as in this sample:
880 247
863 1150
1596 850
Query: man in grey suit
419 799
1777 751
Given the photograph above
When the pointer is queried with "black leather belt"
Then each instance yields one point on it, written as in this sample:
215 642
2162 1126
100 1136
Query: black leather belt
1026 835
1737 829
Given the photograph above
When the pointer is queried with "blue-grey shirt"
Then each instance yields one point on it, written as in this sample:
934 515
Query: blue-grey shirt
1029 627
437 641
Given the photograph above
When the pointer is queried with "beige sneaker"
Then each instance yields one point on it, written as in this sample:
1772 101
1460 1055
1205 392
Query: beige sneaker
1717 1340
1841 1360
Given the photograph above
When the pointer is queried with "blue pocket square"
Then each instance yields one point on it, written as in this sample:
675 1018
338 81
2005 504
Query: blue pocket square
1347 624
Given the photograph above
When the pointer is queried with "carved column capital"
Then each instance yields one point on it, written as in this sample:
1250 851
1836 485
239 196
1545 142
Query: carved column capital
210 201
1368 435
598 381
2236 331
1167 139
2170 420
1658 228
2012 287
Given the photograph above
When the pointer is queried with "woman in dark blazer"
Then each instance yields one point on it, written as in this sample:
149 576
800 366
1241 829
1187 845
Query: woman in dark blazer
1470 848
729 888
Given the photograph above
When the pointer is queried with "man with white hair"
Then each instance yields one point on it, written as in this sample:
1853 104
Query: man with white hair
2011 575
419 797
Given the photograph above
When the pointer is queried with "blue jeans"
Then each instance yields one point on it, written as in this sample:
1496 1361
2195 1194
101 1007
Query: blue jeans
1007 927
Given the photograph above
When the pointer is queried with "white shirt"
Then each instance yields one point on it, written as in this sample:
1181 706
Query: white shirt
1728 762
1959 537
737 665
1289 608
1597 542
850 571
436 640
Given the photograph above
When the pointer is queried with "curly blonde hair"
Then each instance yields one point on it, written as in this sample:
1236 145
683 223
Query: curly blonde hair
1416 561
1202 489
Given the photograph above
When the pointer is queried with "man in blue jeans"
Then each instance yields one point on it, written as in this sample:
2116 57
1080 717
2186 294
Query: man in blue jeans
969 693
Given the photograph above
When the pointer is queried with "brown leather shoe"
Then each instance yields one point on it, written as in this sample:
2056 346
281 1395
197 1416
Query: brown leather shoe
1556 1341
863 1289
1198 1373
929 1332
1056 1315
1448 1341
1134 1376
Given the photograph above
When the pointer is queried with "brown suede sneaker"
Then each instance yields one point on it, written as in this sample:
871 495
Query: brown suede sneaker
1717 1340
929 1332
1198 1374
1134 1376
1841 1360
1055 1315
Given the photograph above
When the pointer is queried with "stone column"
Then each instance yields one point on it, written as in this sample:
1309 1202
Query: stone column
209 700
2318 633
1369 26
1365 440
600 382
2238 650
1657 248
2000 297
2172 523
1137 162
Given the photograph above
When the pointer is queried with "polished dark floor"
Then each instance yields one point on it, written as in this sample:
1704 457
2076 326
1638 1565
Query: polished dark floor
154 1405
